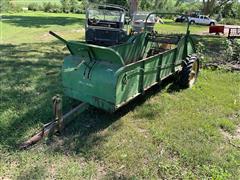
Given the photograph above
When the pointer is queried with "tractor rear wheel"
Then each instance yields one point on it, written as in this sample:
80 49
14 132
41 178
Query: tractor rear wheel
190 71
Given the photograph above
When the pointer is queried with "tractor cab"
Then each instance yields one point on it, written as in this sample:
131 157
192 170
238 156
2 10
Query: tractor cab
105 25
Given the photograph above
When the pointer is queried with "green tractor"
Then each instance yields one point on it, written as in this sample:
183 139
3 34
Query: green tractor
112 67
105 25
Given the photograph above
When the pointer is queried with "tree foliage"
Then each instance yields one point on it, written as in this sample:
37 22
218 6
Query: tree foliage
5 5
225 8
211 6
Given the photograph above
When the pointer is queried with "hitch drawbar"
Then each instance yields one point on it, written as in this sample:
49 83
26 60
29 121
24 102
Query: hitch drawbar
57 124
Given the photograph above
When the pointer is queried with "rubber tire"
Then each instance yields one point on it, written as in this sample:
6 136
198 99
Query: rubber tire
186 70
192 22
212 24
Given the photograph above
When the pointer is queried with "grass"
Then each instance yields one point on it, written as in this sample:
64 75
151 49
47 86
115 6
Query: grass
25 3
167 134
180 28
33 27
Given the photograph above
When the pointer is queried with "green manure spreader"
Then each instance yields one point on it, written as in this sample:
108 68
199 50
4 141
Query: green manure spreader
112 67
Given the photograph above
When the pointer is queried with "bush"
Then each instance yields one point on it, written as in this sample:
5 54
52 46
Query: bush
78 9
52 7
47 6
14 7
66 6
230 21
236 49
6 6
56 8
35 7
72 6
232 49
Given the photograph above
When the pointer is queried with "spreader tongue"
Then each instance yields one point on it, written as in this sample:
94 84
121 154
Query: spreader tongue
57 124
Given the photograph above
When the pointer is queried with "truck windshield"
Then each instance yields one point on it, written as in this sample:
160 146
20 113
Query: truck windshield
138 17
106 15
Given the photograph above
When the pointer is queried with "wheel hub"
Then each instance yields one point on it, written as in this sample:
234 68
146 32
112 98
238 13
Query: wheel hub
193 74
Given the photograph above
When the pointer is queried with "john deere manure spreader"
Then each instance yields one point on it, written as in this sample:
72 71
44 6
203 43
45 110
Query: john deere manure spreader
111 67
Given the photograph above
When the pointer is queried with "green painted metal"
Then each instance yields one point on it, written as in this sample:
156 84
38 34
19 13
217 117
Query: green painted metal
109 77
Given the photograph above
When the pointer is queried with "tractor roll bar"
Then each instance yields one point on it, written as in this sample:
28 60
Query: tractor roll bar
157 13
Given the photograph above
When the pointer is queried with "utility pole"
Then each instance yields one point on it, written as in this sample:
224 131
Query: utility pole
133 6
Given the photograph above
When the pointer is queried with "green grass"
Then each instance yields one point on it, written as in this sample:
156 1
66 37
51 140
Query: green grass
31 27
180 28
25 3
168 134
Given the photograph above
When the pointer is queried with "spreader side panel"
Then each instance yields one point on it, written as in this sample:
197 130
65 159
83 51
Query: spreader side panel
167 63
128 86
92 82
151 69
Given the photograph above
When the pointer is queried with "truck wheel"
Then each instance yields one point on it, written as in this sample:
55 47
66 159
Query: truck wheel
212 24
189 73
192 22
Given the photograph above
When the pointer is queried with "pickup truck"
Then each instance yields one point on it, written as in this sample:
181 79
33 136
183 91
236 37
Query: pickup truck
201 19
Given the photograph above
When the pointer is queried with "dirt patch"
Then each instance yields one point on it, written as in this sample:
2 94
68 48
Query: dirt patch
78 30
223 60
237 134
231 138
229 66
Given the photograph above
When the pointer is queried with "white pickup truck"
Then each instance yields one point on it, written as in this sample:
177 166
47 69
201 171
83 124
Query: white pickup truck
201 19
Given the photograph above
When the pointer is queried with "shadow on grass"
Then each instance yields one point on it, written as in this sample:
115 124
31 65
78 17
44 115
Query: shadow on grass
41 21
33 173
81 135
27 91
25 88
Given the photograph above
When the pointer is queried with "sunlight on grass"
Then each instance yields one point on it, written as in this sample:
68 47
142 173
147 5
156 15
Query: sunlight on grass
167 134
179 28
34 27
27 2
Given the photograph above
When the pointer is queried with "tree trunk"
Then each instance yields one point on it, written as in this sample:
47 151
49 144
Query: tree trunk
208 6
133 6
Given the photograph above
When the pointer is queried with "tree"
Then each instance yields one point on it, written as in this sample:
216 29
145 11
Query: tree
208 5
5 5
211 6
157 5
179 2
133 6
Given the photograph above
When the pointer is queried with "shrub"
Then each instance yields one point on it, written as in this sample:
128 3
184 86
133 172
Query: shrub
232 49
78 9
34 7
66 6
52 7
5 6
56 8
72 6
9 6
47 6
236 49
230 21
